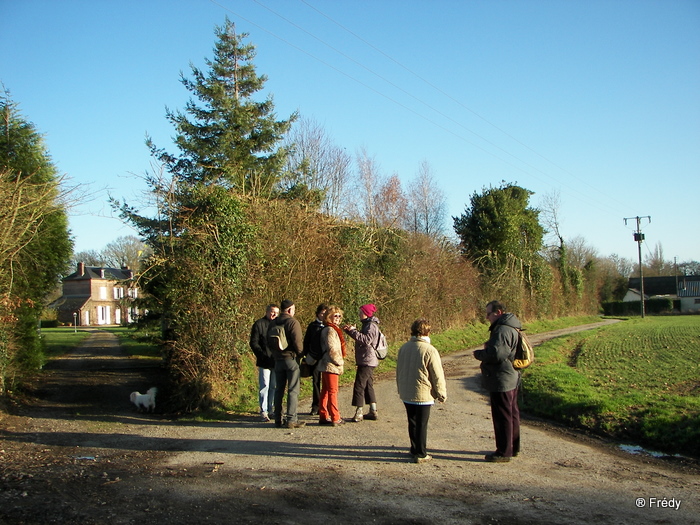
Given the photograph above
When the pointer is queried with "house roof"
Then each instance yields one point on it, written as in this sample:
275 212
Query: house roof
665 285
96 272
70 302
689 289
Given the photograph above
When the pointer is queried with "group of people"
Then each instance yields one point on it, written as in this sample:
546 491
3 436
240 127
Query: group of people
323 349
420 378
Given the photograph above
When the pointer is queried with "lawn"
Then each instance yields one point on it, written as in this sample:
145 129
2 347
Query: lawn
638 380
59 341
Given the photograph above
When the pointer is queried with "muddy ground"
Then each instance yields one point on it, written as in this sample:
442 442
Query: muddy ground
78 452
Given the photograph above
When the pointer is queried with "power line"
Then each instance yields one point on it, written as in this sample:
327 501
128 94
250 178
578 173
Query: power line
592 202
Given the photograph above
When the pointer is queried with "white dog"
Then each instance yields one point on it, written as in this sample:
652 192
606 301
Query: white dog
146 401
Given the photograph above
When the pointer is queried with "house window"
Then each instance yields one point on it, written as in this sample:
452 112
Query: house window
133 293
118 292
103 292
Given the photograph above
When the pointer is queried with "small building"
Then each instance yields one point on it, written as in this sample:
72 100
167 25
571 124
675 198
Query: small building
98 296
689 294
683 288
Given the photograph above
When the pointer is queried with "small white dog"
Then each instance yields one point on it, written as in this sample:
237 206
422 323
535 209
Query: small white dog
146 401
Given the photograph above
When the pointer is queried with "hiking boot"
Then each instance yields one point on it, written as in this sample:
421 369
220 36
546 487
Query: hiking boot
325 422
418 459
338 423
295 424
496 458
314 411
372 416
357 418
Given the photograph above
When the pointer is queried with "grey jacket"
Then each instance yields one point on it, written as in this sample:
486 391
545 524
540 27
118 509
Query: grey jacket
366 339
497 372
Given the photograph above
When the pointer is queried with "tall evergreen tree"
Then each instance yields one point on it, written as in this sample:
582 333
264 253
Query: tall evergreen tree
35 244
228 137
229 152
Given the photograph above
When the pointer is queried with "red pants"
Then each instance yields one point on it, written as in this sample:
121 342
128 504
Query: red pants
328 405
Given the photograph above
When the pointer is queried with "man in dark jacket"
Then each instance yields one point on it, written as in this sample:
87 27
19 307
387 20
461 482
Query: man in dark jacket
502 380
264 360
313 353
287 366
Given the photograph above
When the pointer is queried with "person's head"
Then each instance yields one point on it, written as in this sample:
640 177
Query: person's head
494 310
420 327
333 315
367 310
321 311
272 311
287 307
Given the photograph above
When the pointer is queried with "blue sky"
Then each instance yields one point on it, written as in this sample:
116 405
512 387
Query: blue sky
596 100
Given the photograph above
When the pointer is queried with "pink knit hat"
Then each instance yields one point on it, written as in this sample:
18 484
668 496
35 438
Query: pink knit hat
368 309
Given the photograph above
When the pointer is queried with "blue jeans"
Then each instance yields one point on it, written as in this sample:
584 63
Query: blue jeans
287 376
267 381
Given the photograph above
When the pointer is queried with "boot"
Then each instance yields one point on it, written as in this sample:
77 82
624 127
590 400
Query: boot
372 416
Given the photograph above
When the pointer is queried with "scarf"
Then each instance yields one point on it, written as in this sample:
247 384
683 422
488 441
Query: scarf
340 335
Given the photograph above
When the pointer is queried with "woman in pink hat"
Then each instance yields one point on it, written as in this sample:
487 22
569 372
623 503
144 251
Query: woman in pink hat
366 339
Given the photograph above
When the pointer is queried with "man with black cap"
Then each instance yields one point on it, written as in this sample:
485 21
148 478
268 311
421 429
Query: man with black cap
287 365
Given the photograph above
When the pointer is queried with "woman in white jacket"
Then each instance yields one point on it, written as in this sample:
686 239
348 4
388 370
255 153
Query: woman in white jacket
420 380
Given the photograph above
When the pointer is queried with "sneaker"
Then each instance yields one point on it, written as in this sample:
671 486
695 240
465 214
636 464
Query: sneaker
357 418
418 459
265 417
496 458
372 416
295 424
341 421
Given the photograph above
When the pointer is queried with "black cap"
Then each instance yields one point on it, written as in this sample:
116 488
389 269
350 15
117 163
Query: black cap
286 304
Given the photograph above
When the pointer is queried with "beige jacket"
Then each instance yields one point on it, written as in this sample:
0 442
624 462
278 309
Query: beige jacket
332 360
419 374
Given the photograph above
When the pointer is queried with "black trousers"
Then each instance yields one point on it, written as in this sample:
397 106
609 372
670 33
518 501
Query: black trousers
506 422
363 389
418 416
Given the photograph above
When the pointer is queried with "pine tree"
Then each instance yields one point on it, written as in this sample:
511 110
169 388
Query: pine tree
229 153
229 138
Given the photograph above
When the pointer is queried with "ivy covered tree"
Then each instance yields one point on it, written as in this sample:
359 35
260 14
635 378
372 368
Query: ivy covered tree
230 152
502 235
499 223
35 244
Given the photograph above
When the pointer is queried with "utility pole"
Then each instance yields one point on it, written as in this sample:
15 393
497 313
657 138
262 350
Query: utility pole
639 237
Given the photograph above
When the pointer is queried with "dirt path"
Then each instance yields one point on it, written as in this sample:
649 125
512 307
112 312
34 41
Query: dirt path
81 454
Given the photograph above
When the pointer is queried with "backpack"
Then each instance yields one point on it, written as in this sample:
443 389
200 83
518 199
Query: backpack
524 353
382 348
277 338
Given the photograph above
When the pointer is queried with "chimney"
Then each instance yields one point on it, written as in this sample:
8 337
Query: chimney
81 268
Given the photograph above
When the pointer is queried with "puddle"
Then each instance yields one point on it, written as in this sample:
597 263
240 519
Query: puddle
635 449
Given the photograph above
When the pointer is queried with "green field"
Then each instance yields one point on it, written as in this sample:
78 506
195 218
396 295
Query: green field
59 341
638 380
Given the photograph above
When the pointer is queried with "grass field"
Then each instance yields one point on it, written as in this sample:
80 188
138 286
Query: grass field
638 380
58 341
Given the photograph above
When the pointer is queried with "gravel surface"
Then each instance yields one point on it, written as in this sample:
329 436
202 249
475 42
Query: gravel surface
78 452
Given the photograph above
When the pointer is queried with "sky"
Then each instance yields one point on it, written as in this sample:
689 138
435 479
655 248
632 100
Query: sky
596 102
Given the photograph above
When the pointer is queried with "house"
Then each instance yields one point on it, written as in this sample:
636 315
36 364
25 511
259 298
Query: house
683 288
98 296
